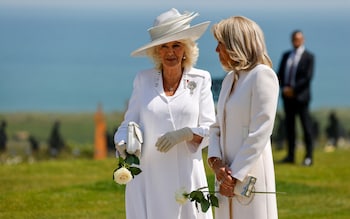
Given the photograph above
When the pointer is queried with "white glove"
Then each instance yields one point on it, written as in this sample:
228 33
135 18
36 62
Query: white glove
138 153
121 148
169 139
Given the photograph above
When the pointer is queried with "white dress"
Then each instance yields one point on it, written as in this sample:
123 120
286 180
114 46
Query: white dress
241 137
151 194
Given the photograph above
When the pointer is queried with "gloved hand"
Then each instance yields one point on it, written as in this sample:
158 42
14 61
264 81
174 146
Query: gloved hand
169 139
121 148
138 153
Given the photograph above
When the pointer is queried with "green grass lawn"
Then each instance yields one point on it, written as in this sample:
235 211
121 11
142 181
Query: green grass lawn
320 191
83 188
75 186
79 188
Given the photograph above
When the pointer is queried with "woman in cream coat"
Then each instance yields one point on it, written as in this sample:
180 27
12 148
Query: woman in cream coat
174 107
240 139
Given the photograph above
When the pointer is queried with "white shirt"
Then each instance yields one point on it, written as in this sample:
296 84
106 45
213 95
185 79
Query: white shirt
292 62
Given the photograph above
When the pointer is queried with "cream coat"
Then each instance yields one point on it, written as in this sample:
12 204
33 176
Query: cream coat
241 137
151 194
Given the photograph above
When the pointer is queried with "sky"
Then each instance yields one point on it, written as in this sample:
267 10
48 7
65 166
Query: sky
330 5
295 12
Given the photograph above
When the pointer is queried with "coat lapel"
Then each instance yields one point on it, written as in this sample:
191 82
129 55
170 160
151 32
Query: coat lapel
224 94
158 85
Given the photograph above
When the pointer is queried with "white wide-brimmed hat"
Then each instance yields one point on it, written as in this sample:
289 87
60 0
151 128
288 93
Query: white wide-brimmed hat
172 26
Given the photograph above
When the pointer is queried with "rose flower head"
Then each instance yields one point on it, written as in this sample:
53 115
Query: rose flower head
181 196
122 176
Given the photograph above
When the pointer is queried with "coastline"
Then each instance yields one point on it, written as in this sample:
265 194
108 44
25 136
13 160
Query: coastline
78 127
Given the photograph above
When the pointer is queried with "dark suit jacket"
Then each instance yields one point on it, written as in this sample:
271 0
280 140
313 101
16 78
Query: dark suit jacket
303 76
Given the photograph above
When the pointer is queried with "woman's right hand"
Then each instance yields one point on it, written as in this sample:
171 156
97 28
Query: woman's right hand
227 186
223 176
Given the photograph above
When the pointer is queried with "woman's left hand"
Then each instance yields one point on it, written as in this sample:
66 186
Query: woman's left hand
227 186
170 139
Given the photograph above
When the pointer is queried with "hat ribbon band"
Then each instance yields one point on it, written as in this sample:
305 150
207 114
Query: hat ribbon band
155 36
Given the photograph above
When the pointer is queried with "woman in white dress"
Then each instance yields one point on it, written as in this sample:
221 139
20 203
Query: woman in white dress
240 143
174 107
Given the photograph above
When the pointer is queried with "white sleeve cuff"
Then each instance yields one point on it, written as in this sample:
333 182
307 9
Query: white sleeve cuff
200 131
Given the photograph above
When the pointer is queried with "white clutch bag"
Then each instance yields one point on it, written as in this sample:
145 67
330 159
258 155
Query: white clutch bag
135 139
245 190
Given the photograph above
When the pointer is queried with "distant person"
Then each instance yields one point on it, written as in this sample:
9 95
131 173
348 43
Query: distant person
333 130
56 142
295 75
3 136
173 104
34 144
315 129
110 142
100 151
279 134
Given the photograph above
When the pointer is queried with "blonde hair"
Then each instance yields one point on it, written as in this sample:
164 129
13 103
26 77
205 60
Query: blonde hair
244 42
190 56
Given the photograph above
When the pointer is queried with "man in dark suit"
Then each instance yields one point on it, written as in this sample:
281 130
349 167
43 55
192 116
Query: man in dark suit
295 74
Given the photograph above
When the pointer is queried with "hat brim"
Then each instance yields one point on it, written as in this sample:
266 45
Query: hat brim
193 33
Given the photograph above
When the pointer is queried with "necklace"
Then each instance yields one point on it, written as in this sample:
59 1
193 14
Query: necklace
171 88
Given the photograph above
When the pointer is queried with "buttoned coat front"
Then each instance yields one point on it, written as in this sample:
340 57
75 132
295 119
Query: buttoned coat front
241 138
151 194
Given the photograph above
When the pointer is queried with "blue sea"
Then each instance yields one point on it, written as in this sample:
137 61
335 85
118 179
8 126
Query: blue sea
69 60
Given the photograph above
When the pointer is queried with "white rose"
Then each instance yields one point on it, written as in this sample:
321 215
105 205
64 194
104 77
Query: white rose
122 176
181 196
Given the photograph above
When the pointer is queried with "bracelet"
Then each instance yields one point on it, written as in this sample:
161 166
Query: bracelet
211 164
